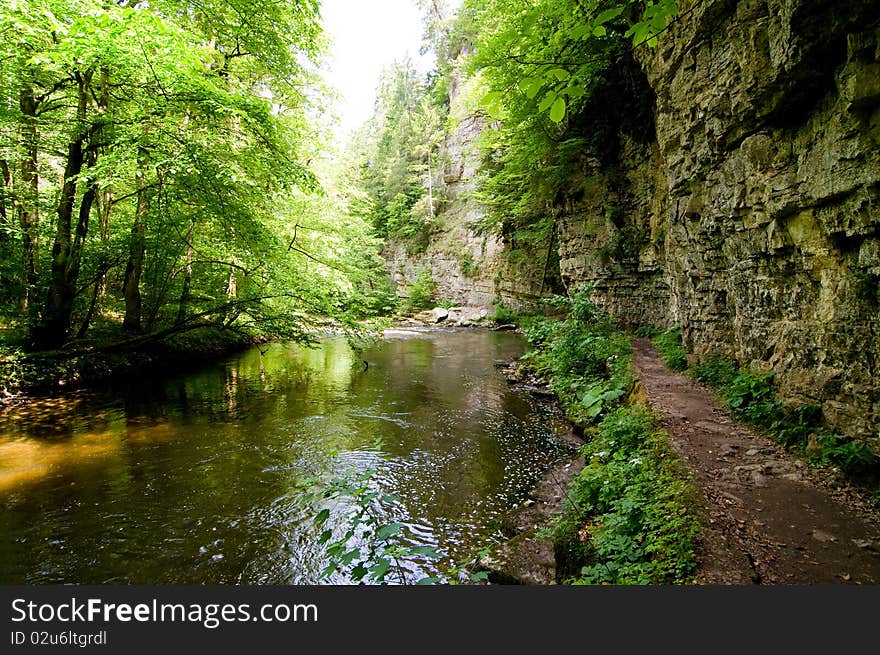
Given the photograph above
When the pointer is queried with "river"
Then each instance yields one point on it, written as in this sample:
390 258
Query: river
195 478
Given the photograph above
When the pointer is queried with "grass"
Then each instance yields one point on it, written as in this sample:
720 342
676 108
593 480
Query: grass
668 345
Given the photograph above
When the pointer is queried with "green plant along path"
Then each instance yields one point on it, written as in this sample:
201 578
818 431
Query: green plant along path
628 519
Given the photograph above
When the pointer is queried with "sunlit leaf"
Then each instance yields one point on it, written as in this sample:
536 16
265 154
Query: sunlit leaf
557 111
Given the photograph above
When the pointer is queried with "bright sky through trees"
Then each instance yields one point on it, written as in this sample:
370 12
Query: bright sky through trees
367 36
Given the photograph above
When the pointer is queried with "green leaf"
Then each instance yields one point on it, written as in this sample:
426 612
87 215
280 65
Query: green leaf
559 73
380 569
491 98
426 551
350 556
580 32
573 91
321 517
608 14
557 111
613 394
387 531
532 87
548 99
428 581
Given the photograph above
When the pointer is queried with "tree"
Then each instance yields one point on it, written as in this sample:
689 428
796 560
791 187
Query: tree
182 129
398 148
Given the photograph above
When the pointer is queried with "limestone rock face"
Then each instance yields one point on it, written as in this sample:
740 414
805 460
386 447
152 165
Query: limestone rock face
753 217
466 265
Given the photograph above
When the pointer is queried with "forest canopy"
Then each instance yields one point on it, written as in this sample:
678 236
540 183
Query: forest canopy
158 166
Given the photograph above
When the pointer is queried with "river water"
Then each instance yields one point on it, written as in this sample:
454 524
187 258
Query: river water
196 478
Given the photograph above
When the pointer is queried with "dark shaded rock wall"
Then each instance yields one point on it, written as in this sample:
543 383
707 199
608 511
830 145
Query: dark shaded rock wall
753 219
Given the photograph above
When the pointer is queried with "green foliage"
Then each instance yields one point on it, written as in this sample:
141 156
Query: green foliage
752 397
422 291
556 40
502 315
186 133
469 267
669 346
715 371
854 458
647 332
585 358
363 545
397 155
549 70
628 520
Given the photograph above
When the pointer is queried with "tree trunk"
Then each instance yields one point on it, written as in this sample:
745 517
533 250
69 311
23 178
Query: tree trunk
67 248
104 200
6 196
137 247
29 201
90 313
187 274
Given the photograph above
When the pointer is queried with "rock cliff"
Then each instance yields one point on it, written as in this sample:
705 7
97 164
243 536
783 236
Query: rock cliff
469 267
742 203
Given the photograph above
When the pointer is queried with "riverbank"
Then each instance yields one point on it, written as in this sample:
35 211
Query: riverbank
623 511
23 374
33 374
673 489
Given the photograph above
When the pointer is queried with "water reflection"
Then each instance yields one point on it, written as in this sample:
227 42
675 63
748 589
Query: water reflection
193 479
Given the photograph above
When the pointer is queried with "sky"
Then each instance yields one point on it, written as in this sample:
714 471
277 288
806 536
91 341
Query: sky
368 36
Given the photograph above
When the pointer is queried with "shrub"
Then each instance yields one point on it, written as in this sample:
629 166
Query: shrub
422 290
669 347
502 315
715 372
646 331
469 268
627 521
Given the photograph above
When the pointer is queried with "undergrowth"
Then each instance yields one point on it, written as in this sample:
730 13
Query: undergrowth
627 519
584 357
422 291
668 345
503 315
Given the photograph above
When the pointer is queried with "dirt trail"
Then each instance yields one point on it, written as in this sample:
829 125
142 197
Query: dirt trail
769 518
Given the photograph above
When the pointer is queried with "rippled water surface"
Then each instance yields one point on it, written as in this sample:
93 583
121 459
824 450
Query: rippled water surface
193 478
